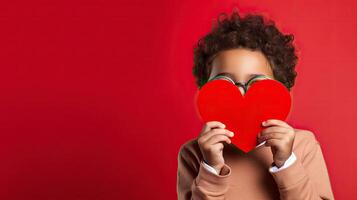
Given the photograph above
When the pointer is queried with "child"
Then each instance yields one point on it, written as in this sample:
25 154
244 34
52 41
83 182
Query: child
287 163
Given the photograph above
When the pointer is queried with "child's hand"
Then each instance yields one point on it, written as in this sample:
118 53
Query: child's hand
211 140
280 137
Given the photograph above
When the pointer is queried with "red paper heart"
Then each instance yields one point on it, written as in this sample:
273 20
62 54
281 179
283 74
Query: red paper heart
220 100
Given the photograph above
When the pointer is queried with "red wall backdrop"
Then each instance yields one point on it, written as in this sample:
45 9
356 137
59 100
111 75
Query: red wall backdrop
97 96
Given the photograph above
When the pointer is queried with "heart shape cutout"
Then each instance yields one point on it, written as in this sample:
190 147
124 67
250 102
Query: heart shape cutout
220 100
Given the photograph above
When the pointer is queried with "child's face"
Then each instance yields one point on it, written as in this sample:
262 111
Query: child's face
241 63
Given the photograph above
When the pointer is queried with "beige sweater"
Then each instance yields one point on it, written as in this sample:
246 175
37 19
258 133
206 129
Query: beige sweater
246 176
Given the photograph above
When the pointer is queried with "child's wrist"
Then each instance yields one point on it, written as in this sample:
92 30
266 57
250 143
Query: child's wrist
278 164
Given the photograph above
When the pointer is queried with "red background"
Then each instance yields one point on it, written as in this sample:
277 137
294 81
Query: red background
97 96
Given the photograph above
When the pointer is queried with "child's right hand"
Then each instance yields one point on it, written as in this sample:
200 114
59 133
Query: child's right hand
211 140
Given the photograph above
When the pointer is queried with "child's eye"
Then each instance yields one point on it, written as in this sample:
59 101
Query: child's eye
229 77
255 78
224 75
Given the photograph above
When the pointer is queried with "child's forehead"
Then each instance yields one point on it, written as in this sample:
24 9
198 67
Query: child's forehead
241 63
239 58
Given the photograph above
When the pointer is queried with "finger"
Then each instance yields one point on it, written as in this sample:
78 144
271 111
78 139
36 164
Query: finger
215 147
212 124
273 135
213 132
277 122
215 124
218 138
273 142
273 129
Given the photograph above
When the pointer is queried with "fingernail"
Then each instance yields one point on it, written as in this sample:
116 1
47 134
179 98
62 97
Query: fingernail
263 123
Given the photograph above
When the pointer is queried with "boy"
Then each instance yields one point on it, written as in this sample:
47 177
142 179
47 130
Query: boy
287 163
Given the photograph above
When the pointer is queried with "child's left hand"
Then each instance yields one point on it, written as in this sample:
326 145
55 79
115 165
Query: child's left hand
280 137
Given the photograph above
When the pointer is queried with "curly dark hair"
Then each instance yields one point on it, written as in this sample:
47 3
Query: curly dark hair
254 32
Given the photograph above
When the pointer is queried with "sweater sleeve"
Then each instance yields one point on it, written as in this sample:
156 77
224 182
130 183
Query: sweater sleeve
195 182
307 178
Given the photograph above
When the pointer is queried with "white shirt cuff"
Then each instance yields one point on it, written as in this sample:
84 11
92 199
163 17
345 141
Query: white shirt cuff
287 163
209 168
